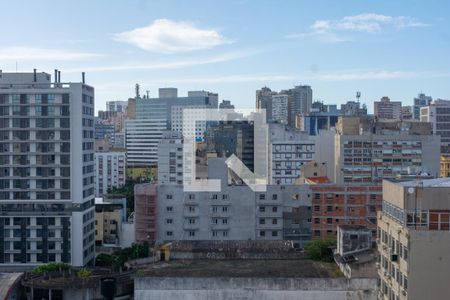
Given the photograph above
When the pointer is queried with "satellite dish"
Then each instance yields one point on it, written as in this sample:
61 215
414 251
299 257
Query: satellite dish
411 190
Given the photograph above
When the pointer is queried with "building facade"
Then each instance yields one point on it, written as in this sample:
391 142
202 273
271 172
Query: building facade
280 108
110 171
288 151
420 101
46 170
338 205
413 240
438 114
369 152
170 158
387 109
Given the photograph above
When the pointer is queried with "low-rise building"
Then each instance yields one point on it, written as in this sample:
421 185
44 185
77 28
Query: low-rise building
108 223
338 205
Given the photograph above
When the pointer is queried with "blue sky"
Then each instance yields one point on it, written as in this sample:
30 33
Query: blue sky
381 48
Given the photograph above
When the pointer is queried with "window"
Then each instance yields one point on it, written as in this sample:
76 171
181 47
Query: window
329 208
262 209
262 221
191 233
169 221
274 221
169 208
274 233
329 221
262 233
317 208
224 209
262 196
274 197
169 233
274 209
168 197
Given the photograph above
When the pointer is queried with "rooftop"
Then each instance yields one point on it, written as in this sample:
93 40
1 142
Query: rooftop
244 268
437 182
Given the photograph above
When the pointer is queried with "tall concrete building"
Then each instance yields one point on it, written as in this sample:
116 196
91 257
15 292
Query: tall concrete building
387 109
264 101
420 101
368 151
288 151
316 121
117 106
438 114
301 102
110 171
280 108
153 116
353 109
413 240
170 158
46 170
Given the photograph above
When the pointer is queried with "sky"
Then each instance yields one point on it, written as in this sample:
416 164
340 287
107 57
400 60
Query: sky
234 47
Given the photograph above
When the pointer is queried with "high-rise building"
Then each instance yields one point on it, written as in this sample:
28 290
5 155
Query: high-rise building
153 116
46 170
288 151
438 114
226 104
117 106
301 101
110 171
170 158
413 240
387 109
420 101
280 108
264 101
368 151
406 113
232 137
316 121
353 109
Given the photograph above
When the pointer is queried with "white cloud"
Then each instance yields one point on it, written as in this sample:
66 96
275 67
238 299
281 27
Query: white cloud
162 64
331 30
36 54
166 36
378 75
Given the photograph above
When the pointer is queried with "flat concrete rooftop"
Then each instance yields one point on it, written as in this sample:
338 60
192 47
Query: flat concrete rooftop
243 268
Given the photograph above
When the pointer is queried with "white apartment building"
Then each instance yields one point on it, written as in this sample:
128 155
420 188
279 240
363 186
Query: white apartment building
46 170
110 171
193 113
234 213
413 240
280 111
288 151
170 158
438 114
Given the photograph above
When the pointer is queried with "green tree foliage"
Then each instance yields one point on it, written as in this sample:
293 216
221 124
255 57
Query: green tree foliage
320 249
126 191
84 273
50 267
120 257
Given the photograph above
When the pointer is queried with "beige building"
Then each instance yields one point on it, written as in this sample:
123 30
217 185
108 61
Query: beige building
414 240
108 222
370 150
445 166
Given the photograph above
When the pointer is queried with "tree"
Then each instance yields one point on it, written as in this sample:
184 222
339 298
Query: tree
104 260
320 249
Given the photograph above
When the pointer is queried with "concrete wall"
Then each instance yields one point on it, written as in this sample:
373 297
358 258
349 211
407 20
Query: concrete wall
255 288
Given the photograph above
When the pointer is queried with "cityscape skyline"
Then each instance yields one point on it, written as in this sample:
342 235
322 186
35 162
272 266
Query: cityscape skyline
375 48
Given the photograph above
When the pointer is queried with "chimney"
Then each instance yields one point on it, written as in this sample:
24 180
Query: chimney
56 75
34 75
83 78
59 76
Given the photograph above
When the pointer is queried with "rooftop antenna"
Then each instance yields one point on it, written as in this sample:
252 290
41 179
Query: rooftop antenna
137 90
148 94
358 95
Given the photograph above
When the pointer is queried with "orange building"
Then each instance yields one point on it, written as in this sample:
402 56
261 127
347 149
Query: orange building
334 205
